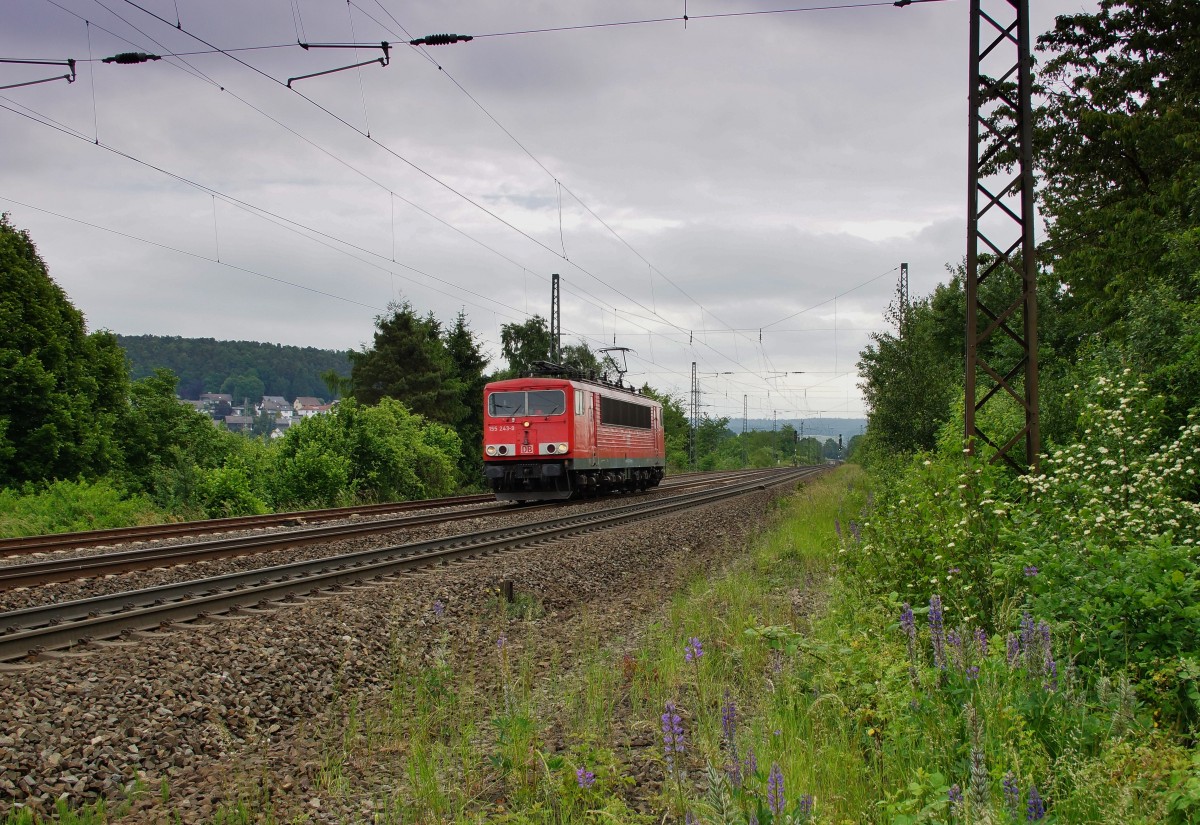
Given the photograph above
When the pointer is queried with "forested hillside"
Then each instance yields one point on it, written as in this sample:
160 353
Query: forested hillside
241 368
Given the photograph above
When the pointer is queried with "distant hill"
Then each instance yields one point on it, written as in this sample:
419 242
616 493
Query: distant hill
815 427
207 365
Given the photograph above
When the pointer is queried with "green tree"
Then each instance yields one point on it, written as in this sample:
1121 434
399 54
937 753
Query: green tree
409 362
911 377
1118 146
469 361
167 445
63 388
369 453
675 427
245 388
522 344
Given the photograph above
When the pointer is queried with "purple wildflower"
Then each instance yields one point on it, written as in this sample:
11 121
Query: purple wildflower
837 528
1027 630
981 641
954 571
438 608
690 819
753 819
729 739
957 650
672 728
1014 650
806 805
856 531
955 797
1031 571
935 630
775 795
693 651
907 623
750 765
728 719
1052 673
585 778
501 641
1036 809
1012 794
973 672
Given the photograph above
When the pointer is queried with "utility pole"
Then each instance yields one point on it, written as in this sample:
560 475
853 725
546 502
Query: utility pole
695 416
745 415
775 435
903 298
555 321
1000 224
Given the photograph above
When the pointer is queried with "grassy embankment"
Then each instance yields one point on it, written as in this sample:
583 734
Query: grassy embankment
783 689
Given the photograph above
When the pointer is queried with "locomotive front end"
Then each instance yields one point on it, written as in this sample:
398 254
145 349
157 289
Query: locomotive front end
527 438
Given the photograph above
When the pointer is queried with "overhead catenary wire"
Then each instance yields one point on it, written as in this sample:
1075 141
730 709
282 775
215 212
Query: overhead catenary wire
559 187
653 313
419 169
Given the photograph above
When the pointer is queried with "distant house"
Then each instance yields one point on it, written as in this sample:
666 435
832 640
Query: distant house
198 406
239 423
276 406
215 398
316 409
304 401
282 425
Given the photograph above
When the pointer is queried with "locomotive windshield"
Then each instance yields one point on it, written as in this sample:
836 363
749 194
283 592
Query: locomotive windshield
536 402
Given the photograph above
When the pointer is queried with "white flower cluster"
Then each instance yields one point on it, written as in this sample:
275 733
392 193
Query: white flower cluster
1119 482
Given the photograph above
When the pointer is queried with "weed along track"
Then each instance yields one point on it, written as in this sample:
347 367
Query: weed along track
231 703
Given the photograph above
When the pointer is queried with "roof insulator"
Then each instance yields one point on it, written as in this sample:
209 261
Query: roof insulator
131 57
440 39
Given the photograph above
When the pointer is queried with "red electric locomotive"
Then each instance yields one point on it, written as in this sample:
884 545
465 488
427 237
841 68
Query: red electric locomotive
557 437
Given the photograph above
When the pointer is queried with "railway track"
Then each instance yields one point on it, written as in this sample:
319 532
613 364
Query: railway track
29 545
32 630
59 568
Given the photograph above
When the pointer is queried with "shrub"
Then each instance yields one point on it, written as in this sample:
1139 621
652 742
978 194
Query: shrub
67 506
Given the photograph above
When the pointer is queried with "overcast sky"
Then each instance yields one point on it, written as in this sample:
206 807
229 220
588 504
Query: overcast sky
694 185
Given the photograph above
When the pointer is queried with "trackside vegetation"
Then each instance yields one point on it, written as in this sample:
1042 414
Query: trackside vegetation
790 687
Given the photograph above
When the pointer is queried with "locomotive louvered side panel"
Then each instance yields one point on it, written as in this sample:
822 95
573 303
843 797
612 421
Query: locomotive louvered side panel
610 440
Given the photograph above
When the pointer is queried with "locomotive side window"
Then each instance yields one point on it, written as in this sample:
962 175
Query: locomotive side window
578 403
624 414
506 404
546 402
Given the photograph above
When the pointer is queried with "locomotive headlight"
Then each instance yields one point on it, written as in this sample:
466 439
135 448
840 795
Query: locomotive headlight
491 449
562 448
527 425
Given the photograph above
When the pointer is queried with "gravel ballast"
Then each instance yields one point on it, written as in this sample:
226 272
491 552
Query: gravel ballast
228 705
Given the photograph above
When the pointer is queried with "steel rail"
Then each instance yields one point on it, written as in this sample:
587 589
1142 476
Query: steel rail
60 569
62 625
24 545
52 542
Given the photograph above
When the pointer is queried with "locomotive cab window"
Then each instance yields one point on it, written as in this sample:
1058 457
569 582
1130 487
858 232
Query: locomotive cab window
506 404
536 402
546 402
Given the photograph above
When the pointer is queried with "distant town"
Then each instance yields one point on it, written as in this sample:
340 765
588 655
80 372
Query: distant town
271 416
